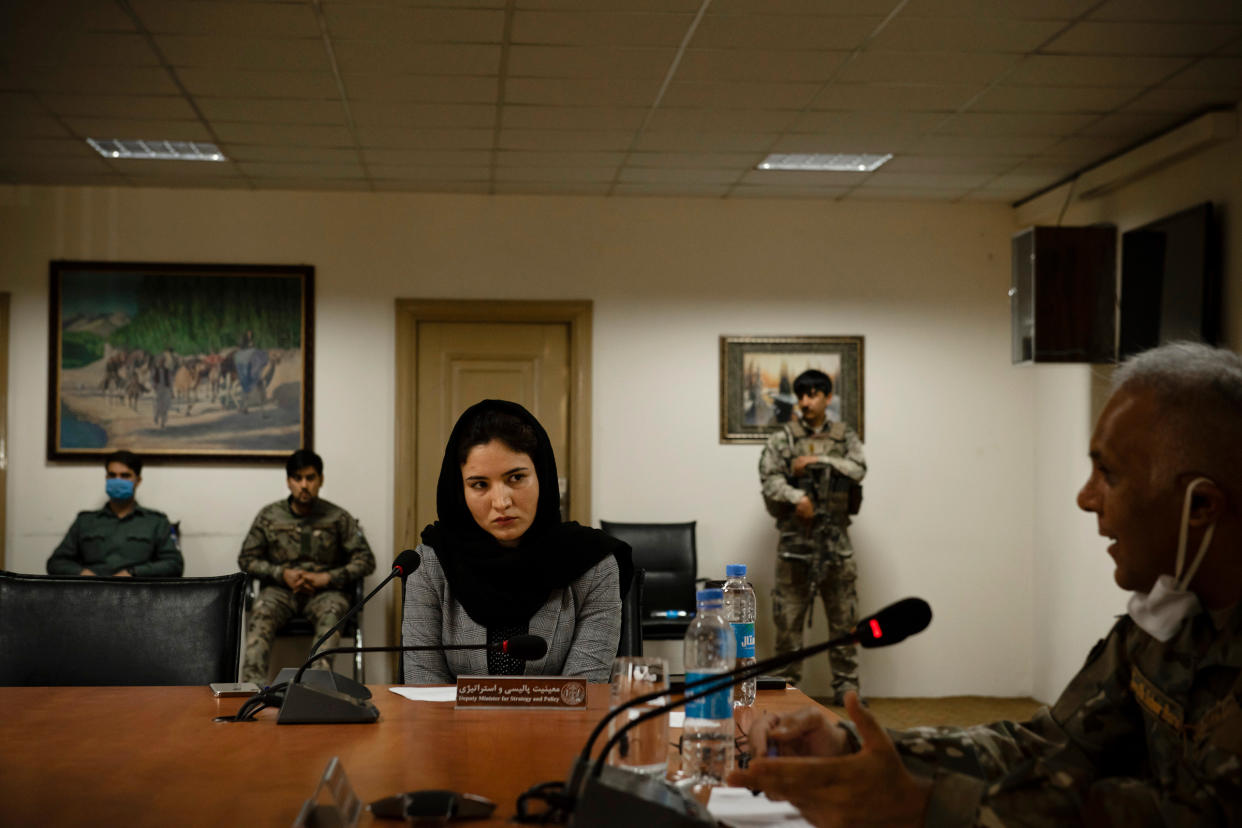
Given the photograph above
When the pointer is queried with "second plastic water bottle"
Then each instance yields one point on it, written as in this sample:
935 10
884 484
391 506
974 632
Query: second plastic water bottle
739 610
707 735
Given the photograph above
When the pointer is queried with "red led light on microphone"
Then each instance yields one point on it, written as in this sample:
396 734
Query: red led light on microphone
875 629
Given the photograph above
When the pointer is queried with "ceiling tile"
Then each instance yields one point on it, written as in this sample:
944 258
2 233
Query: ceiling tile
1012 123
1021 99
617 28
672 190
824 142
35 125
1222 73
690 6
269 110
446 158
977 145
1076 70
988 164
926 67
1082 149
237 83
803 180
783 32
1182 100
224 182
559 92
877 9
326 184
589 62
48 47
390 172
765 191
674 175
573 140
373 114
67 15
926 181
1204 11
741 95
760 65
411 186
573 117
866 124
866 193
225 18
412 25
24 103
53 178
372 86
258 169
47 165
675 141
233 52
907 33
577 175
1133 126
66 147
146 107
704 160
719 120
419 59
1025 183
537 158
100 80
142 168
1184 39
1012 9
293 155
293 135
906 97
998 196
411 138
139 130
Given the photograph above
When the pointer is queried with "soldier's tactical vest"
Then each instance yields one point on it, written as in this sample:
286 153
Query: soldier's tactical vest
835 495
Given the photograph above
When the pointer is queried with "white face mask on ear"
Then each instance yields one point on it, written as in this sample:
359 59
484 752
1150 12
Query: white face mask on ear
1160 612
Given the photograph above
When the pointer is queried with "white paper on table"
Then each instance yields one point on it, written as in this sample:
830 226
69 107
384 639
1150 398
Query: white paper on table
431 694
739 808
677 718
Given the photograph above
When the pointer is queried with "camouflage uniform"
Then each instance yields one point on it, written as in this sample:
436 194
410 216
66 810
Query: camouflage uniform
1146 734
815 558
142 542
328 540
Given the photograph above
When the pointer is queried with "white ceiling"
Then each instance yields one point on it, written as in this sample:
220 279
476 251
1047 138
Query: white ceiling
977 99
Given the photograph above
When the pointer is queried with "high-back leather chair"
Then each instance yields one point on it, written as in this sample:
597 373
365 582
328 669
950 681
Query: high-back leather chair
631 643
666 553
75 630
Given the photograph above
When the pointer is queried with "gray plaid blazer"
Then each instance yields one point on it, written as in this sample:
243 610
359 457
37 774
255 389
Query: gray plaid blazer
580 622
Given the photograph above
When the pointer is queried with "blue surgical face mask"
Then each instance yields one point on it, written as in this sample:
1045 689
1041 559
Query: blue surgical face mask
1161 612
118 488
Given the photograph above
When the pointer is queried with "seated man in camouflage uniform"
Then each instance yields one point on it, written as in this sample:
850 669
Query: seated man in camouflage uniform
1150 730
121 538
308 553
807 469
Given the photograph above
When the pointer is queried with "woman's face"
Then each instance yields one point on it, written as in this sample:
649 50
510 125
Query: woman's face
501 490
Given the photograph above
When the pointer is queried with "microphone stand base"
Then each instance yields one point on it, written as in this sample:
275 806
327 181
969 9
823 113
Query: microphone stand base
622 799
317 705
325 680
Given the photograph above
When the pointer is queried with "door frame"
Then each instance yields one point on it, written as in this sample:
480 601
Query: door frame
411 313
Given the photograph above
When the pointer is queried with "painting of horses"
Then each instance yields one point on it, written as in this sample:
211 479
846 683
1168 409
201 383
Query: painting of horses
757 374
187 362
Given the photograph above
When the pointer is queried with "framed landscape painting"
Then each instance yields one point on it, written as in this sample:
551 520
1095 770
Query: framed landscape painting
187 362
757 374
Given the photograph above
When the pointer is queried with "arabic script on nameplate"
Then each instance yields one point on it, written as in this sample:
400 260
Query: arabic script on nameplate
526 692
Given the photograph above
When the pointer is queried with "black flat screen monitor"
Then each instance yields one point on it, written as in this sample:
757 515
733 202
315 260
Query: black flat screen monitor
1170 281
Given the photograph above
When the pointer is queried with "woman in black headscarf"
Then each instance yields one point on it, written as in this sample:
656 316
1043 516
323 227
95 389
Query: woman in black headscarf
499 562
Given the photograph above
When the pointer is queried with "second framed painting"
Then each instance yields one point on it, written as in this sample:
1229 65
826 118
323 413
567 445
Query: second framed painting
757 374
185 362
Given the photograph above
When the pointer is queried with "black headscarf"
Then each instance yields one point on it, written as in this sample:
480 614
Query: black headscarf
502 586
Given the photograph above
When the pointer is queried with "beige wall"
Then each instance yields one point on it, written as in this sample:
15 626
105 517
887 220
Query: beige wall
1075 595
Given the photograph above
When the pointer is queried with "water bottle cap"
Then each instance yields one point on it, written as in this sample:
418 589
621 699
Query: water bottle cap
709 595
735 570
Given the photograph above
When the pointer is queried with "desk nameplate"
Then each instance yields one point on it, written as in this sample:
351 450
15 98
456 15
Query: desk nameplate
522 692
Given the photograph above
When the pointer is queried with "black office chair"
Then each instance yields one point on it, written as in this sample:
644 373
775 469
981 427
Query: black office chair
60 630
631 643
666 553
301 625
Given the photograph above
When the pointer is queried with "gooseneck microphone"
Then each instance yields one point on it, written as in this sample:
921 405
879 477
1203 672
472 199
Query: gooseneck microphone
890 625
307 704
404 565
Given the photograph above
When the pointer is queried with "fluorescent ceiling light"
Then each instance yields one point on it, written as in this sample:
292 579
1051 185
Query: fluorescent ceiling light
833 162
162 150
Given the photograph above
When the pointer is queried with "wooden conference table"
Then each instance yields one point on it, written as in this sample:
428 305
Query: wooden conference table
136 756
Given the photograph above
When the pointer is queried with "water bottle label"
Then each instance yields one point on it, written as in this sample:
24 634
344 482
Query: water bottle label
718 705
745 635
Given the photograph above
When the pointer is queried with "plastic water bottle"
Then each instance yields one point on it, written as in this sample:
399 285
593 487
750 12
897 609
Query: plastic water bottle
739 610
707 734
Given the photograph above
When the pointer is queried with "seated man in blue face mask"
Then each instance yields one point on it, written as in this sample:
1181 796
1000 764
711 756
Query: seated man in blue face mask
122 538
1150 730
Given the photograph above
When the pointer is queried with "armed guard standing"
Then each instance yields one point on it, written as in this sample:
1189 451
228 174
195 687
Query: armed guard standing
810 470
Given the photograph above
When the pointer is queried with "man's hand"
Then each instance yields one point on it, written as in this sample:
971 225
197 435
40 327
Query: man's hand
799 464
122 573
86 571
293 578
806 732
870 787
315 581
805 510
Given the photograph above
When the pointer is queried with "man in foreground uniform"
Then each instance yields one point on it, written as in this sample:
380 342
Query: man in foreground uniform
809 469
121 538
307 553
1150 730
